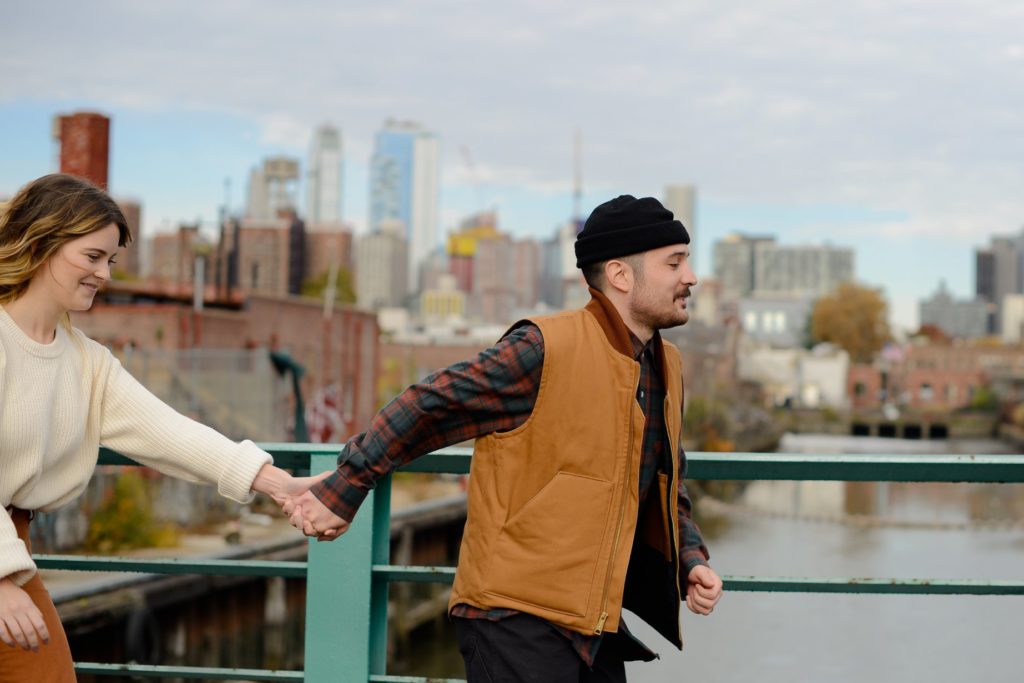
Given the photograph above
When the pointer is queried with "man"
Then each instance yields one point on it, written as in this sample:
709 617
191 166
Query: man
576 499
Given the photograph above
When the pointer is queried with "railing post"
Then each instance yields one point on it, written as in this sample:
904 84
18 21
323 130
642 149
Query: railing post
339 587
379 596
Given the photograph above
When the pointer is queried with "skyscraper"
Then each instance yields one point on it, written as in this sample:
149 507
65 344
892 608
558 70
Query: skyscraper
681 200
999 272
272 189
324 176
381 257
84 145
735 263
404 187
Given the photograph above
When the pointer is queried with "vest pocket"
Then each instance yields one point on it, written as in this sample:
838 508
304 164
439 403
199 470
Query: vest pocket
547 553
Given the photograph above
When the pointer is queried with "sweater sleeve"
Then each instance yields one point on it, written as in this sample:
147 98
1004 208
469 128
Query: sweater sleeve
137 424
15 562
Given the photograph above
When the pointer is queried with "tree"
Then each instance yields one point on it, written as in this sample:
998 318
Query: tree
854 318
345 292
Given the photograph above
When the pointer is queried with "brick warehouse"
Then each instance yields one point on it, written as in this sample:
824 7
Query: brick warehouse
342 352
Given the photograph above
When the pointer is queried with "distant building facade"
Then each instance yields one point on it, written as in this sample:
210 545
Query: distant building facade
779 322
380 265
324 189
999 272
681 200
755 265
734 262
130 261
273 188
957 318
404 186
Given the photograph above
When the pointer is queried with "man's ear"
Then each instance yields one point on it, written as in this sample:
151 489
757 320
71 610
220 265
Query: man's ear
618 275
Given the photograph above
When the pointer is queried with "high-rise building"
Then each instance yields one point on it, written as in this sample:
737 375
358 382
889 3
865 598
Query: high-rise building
404 186
801 271
999 273
328 245
681 200
272 189
493 298
263 256
174 256
462 246
129 262
324 176
757 266
84 139
381 257
965 319
733 264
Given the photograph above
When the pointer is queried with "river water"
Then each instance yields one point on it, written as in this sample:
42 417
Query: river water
936 531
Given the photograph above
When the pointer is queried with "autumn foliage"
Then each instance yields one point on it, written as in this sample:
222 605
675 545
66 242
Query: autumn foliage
855 318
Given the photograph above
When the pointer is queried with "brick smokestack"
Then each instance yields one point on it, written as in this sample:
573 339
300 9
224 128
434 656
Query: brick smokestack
84 145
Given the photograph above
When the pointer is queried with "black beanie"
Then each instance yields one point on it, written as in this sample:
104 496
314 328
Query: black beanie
624 226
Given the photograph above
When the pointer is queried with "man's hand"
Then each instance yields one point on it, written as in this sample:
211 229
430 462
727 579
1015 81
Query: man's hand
703 589
21 622
313 518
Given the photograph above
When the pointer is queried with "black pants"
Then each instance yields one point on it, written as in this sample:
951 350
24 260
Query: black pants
524 648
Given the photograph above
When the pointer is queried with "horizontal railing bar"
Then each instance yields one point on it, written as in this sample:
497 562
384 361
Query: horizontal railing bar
414 574
413 679
453 460
905 468
874 586
92 563
735 466
189 672
390 572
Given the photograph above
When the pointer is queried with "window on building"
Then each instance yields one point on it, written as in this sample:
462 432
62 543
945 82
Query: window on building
750 321
860 389
924 392
951 393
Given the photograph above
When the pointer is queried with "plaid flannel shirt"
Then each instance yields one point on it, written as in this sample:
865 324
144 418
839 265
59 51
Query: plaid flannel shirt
495 392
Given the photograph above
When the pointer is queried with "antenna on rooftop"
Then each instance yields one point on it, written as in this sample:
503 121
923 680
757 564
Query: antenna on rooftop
577 191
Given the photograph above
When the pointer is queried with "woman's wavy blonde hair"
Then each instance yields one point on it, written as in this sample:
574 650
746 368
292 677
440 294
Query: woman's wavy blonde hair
43 216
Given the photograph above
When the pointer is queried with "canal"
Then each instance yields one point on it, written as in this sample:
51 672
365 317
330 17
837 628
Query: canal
923 530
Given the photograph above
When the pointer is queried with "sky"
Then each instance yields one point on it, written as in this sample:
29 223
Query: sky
891 127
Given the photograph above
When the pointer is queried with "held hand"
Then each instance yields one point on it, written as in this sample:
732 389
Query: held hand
282 487
703 589
21 622
314 518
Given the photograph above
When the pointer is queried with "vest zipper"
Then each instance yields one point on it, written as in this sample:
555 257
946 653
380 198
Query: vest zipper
622 512
673 521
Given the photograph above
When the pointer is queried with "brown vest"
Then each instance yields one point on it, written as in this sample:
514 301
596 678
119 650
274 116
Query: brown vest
553 503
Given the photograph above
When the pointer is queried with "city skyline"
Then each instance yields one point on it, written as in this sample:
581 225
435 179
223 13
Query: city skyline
865 125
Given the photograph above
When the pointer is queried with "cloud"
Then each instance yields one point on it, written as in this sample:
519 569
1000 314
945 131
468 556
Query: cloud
868 103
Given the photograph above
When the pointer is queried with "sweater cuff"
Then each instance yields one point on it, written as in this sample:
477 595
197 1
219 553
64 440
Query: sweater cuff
236 478
692 557
339 494
15 562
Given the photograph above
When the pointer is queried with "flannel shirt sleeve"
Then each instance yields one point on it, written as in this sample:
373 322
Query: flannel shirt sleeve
494 392
692 549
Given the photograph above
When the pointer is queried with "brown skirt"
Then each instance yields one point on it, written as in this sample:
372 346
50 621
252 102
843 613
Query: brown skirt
52 664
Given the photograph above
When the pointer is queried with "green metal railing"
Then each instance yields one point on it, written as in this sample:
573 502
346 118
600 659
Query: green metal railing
347 580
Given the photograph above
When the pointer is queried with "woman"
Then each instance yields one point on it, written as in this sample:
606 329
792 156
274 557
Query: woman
62 394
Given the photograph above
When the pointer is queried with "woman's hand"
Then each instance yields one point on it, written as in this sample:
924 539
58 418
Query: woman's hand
21 622
282 487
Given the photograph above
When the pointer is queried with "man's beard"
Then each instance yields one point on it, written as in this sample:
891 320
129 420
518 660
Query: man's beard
647 312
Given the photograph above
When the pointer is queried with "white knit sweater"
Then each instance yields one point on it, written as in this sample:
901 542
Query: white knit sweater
60 401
